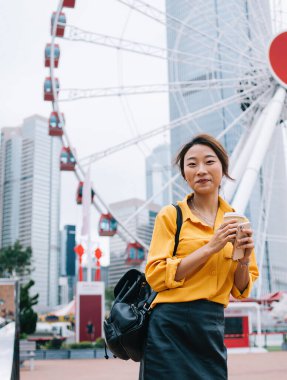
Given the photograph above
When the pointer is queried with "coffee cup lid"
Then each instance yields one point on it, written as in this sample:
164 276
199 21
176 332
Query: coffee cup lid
233 214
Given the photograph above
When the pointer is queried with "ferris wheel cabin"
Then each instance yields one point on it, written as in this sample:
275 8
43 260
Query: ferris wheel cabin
61 24
107 225
69 3
48 55
79 195
67 160
135 254
48 90
55 125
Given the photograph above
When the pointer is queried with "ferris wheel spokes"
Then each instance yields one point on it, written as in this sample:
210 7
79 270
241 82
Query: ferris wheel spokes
73 33
160 16
175 123
185 86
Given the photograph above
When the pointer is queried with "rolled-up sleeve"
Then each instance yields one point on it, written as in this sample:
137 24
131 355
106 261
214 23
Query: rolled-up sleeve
161 265
253 275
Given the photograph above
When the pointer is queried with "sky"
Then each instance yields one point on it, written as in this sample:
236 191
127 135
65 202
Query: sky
92 124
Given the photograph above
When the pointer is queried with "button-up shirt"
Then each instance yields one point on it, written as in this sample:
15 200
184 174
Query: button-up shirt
214 280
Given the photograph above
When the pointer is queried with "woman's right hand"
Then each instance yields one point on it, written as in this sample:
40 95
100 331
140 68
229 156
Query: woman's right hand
225 233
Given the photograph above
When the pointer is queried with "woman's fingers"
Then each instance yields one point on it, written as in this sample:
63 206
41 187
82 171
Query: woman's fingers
230 231
247 246
244 240
248 232
231 238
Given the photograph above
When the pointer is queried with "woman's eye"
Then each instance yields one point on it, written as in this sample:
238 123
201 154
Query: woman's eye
210 162
191 164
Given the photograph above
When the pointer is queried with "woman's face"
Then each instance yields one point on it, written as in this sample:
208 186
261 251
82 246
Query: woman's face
202 169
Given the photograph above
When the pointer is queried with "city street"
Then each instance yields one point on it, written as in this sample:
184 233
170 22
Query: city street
263 366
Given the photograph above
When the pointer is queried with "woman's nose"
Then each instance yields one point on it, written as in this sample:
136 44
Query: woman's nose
201 169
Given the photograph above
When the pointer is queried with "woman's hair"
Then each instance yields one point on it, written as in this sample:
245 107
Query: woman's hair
211 142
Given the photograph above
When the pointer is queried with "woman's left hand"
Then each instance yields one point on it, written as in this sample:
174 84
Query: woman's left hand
246 243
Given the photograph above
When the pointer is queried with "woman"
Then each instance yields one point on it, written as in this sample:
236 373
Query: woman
185 338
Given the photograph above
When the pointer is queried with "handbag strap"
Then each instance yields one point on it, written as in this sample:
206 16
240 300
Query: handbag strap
176 241
178 228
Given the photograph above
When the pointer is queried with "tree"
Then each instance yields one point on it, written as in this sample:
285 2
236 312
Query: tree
28 318
15 261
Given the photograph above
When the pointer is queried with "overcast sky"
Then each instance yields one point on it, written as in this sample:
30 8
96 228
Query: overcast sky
92 124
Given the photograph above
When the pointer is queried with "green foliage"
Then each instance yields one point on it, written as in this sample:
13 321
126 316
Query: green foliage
109 297
54 344
23 336
99 343
15 261
81 345
28 318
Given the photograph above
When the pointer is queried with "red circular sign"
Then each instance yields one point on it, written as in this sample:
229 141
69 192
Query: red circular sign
278 58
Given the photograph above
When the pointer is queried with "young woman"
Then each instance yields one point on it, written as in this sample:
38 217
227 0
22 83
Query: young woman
185 338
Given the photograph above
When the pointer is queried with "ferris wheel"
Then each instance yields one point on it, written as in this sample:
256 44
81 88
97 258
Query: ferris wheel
224 75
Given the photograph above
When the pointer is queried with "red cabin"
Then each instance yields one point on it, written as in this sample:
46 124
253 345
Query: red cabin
107 225
135 254
61 24
48 55
67 160
55 125
69 3
79 196
48 91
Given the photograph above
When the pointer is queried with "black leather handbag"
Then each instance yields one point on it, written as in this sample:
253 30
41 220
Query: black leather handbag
126 327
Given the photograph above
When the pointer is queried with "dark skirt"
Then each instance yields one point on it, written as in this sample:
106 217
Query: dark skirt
185 341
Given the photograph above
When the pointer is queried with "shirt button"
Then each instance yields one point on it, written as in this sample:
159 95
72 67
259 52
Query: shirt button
213 273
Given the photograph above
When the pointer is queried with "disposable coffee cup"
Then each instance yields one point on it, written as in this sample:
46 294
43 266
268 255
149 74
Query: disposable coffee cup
234 215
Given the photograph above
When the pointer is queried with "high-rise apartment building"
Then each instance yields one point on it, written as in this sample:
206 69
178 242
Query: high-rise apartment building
141 225
219 20
158 174
68 260
30 200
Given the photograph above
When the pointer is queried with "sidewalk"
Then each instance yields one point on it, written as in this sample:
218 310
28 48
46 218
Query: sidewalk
263 366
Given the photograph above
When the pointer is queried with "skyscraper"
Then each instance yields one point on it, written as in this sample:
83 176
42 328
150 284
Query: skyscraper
68 259
158 173
29 200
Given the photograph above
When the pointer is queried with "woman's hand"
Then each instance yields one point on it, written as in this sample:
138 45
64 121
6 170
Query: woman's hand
246 243
225 233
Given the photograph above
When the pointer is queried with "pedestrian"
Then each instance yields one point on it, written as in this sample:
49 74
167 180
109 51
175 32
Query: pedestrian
185 339
90 330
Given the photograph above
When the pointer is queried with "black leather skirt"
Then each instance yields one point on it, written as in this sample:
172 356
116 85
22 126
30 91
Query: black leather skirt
185 341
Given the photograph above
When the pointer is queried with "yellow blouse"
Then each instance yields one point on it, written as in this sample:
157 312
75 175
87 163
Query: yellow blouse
213 281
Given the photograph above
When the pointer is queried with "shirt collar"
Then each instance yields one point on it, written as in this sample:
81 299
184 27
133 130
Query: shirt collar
187 214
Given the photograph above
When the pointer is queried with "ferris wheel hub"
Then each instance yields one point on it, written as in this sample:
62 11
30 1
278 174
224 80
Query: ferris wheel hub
277 55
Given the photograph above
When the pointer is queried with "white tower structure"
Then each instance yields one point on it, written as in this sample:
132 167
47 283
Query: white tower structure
30 200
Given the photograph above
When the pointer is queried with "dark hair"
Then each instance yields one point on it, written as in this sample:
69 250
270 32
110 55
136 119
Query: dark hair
208 140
